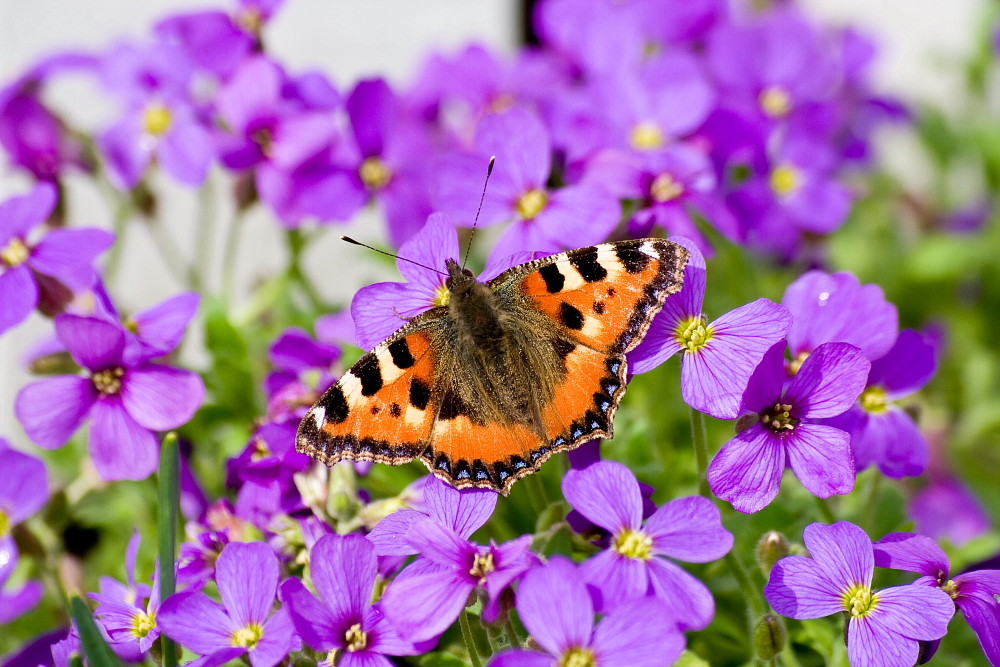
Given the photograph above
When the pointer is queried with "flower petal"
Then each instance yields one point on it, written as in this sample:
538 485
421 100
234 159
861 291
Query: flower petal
162 327
914 611
311 618
186 153
162 397
679 589
843 550
18 296
747 470
607 493
94 343
376 312
343 571
612 578
640 633
984 619
689 529
276 641
800 588
68 255
521 657
912 553
869 644
905 368
19 215
555 607
821 457
465 511
389 534
24 485
52 410
121 448
829 381
424 606
765 386
440 544
247 575
195 621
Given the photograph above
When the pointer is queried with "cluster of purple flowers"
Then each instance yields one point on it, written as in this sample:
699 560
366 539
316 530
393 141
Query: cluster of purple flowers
697 120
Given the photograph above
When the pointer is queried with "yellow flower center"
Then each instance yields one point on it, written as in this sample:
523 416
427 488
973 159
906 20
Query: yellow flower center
693 333
647 136
951 588
665 188
356 638
634 544
502 102
15 254
578 657
374 174
785 179
157 120
143 624
775 101
532 203
860 601
249 636
442 295
108 381
482 566
260 450
875 400
795 364
5 524
250 20
779 418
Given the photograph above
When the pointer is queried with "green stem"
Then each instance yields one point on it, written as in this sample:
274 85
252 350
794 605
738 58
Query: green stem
511 631
868 520
297 243
825 511
205 226
229 256
123 211
536 493
94 646
169 499
470 642
699 437
752 595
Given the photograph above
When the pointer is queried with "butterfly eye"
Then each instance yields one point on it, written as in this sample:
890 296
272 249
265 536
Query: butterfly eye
468 272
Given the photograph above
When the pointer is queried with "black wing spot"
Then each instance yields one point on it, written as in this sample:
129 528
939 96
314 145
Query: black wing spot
420 394
610 386
595 422
480 472
369 371
335 405
443 463
614 365
585 261
571 316
395 410
603 402
502 472
633 259
554 279
518 463
401 355
599 307
376 409
462 470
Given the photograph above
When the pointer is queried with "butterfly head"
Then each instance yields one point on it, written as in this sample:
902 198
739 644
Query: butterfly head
459 280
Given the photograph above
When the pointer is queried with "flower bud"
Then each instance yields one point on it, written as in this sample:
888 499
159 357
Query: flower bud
768 637
772 547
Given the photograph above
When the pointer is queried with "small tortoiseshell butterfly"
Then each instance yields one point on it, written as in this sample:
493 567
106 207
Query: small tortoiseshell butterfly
486 388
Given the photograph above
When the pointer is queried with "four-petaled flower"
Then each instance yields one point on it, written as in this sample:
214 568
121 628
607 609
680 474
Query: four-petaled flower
884 626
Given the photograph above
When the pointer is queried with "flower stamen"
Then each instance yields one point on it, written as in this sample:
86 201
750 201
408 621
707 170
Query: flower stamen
665 188
15 253
875 400
157 120
356 638
578 657
779 418
143 624
248 636
694 333
374 173
108 381
531 203
775 101
860 601
647 136
483 565
785 179
634 544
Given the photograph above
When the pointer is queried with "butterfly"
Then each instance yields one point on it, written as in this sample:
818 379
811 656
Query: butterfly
485 389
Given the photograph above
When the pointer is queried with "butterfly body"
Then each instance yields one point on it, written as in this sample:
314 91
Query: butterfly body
486 388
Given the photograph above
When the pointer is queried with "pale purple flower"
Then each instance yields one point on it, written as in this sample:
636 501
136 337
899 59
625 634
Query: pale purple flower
838 308
153 332
947 509
718 357
885 626
247 575
975 592
15 602
24 489
637 562
44 272
748 469
883 433
542 218
126 403
296 357
343 622
206 539
555 607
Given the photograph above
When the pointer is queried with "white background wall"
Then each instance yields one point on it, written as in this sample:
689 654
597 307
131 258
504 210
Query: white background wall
356 38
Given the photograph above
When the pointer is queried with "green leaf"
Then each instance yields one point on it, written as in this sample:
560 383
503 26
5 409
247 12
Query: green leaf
97 651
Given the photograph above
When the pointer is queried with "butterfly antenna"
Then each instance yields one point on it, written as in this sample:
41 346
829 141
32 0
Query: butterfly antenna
383 252
489 171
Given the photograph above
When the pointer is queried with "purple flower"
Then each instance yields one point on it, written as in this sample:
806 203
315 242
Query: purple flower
882 433
302 363
264 473
428 596
884 626
126 402
975 593
206 539
838 308
154 332
718 358
42 273
128 612
946 509
556 609
247 576
747 470
463 512
24 489
344 623
636 564
543 219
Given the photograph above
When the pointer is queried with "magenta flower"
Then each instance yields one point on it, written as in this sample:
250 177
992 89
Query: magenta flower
747 470
838 308
543 219
343 622
556 609
885 626
718 358
975 593
42 273
153 332
300 360
247 575
637 562
24 489
128 611
882 433
126 402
